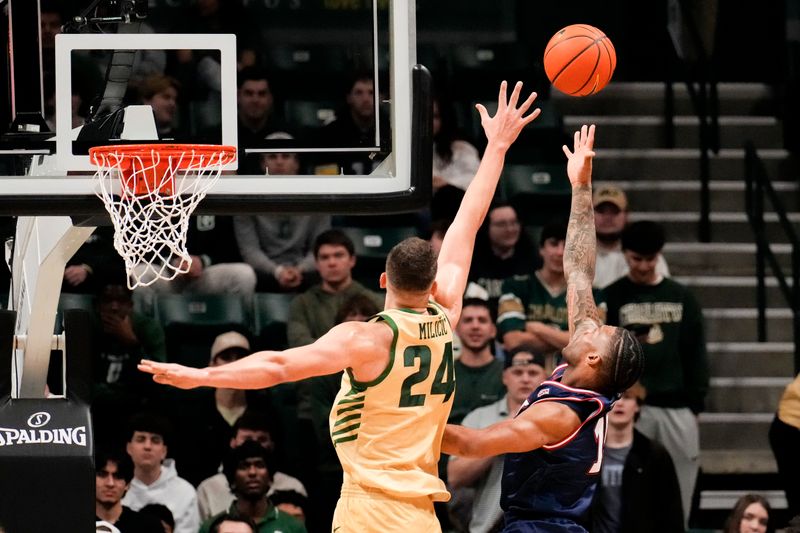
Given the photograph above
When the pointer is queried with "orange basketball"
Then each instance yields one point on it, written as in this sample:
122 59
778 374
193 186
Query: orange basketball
579 60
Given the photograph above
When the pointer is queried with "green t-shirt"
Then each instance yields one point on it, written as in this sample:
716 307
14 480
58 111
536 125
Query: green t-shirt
313 313
525 299
476 387
275 521
669 323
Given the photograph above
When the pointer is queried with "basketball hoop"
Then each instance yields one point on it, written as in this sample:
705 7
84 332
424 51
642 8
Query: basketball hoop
150 191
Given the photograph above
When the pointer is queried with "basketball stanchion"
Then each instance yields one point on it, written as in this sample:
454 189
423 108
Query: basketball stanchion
150 191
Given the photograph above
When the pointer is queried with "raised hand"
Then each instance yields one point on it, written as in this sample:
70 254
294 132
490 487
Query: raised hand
504 127
579 160
580 245
180 376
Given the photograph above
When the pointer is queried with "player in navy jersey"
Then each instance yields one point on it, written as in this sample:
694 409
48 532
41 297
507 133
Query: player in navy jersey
554 445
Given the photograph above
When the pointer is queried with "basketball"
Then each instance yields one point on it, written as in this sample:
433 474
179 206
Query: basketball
579 60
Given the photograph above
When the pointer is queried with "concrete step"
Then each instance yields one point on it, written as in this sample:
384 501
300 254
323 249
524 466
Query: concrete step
681 226
744 461
722 258
751 359
735 431
646 98
683 163
740 324
732 291
684 195
745 394
643 131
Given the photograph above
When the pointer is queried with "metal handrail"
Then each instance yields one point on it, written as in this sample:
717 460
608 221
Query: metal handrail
758 185
705 101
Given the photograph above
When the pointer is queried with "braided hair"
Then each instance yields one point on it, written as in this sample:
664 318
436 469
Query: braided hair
625 363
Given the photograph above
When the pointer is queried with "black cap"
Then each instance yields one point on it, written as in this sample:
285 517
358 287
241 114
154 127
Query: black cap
534 357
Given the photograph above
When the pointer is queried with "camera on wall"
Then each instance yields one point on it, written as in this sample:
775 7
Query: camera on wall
132 9
101 12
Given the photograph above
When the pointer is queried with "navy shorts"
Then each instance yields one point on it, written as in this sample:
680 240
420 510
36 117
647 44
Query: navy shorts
549 525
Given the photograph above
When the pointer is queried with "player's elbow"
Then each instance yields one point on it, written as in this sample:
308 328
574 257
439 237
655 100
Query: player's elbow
456 441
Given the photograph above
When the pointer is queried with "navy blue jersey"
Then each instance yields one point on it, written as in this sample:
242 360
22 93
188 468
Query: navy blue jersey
558 480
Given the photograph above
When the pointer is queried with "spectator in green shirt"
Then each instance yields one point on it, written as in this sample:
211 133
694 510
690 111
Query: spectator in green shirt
479 374
249 470
533 308
313 312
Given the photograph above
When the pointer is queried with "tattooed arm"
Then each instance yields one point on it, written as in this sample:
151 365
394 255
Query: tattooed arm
579 248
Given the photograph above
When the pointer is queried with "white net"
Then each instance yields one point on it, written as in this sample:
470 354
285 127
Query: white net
150 194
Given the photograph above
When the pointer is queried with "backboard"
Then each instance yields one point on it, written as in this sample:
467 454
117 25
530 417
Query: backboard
107 61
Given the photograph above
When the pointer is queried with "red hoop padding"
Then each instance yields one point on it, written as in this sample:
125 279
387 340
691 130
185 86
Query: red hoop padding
149 168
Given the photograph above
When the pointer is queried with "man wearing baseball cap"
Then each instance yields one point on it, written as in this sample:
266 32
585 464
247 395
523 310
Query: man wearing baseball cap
610 218
524 370
209 424
229 346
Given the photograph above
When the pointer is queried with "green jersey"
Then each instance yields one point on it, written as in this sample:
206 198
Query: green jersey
525 298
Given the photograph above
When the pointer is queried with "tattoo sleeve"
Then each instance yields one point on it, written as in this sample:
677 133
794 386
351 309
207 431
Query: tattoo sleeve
579 260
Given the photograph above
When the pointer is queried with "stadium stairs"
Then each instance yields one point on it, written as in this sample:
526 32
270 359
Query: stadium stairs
747 377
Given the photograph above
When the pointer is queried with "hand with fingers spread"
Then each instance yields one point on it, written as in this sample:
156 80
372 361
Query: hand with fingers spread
503 128
180 376
579 160
456 252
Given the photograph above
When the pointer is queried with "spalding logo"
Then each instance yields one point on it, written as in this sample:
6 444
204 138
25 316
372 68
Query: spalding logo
37 420
72 436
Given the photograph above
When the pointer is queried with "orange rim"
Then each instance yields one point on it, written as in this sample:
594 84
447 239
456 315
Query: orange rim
149 151
154 164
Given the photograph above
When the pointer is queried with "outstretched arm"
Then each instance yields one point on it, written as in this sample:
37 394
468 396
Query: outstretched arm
348 345
456 254
580 246
542 423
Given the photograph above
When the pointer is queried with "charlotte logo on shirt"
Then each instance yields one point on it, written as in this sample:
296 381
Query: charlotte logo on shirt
645 319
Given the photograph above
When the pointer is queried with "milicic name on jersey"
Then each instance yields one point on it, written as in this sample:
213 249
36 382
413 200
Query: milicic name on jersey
431 330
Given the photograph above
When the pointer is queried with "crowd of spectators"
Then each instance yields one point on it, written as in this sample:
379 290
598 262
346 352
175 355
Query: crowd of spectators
239 461
501 359
509 337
